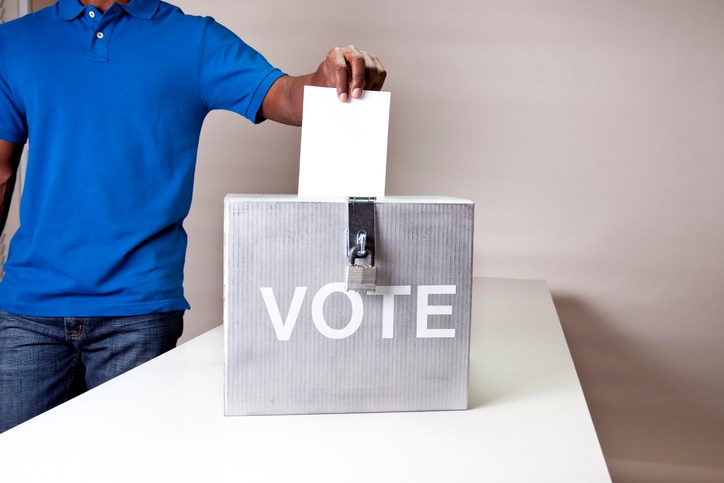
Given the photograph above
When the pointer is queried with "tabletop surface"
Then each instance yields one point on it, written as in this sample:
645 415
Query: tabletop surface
527 419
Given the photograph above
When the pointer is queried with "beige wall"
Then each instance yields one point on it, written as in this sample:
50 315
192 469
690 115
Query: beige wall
589 133
11 9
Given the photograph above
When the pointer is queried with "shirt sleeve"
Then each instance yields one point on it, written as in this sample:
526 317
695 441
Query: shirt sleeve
13 126
232 75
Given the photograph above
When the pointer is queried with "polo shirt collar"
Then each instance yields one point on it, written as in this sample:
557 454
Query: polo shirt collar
69 9
146 9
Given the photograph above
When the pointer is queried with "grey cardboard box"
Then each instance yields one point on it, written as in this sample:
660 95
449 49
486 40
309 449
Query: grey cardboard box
296 342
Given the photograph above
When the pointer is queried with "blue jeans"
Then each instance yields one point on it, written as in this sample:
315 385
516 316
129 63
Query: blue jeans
44 361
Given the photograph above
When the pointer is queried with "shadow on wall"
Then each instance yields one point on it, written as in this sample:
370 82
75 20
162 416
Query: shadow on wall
619 376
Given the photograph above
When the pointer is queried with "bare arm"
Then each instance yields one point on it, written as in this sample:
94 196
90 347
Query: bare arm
9 160
348 69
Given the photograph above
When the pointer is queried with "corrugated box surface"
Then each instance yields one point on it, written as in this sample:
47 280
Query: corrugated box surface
296 342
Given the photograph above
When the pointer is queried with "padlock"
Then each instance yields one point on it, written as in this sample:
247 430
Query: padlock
361 277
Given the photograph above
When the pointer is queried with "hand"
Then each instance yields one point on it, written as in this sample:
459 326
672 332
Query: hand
351 71
348 69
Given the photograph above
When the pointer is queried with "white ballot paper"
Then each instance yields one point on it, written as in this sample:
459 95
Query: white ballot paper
344 144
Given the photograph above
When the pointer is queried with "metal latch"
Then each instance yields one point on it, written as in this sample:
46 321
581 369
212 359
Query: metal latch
361 245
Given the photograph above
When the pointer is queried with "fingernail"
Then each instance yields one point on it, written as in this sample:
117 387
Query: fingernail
357 93
343 97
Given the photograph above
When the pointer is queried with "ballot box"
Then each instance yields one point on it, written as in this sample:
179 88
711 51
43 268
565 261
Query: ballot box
304 333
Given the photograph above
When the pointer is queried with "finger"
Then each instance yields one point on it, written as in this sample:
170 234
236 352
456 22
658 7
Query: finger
375 73
338 65
381 74
370 70
356 62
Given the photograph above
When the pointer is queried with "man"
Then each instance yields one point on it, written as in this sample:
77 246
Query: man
112 97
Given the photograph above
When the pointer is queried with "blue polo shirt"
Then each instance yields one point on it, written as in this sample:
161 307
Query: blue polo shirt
112 105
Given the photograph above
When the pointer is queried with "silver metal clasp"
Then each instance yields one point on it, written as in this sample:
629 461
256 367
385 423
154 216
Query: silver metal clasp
361 245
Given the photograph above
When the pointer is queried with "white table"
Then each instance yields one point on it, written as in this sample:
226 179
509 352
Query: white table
528 420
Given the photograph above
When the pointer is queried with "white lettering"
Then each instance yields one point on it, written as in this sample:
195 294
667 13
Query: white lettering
424 310
283 329
388 306
318 315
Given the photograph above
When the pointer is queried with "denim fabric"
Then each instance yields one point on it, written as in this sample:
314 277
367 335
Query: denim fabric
44 361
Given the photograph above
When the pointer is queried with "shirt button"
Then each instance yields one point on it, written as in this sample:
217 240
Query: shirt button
92 14
99 35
